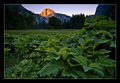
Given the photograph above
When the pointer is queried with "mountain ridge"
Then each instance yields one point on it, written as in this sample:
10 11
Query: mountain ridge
46 12
62 17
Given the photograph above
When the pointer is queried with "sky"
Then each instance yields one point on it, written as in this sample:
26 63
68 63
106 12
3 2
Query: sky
67 9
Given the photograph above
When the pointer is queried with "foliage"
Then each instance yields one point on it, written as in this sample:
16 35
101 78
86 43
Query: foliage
54 23
42 31
15 20
90 53
77 21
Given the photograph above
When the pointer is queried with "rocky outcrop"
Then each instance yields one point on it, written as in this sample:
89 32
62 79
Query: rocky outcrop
106 9
40 19
46 12
62 17
49 13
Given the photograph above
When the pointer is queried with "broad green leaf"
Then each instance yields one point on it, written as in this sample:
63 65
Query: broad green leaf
65 54
96 18
102 22
34 54
105 32
83 29
92 76
51 50
74 75
94 53
81 59
99 72
86 41
6 49
69 73
61 50
98 42
81 40
103 51
52 67
108 63
88 19
94 32
66 72
95 65
69 62
87 68
112 31
86 23
25 56
38 60
66 41
37 49
88 55
110 70
113 44
102 31
55 72
24 61
50 56
80 73
77 60
80 50
101 58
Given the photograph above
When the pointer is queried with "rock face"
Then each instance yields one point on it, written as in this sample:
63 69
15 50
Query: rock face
46 12
106 9
49 13
40 19
62 17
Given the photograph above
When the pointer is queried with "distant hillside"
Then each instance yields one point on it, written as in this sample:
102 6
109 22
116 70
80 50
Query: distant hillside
62 17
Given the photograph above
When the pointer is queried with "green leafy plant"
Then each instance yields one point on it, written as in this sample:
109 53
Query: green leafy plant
87 54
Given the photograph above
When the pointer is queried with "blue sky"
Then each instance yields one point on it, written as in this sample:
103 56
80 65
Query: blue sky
67 9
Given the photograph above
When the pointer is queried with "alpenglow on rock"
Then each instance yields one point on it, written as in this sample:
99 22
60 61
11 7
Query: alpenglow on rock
46 12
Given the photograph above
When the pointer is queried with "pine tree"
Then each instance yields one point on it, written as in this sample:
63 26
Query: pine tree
54 23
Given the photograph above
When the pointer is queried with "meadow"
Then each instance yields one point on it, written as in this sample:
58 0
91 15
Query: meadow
87 53
42 31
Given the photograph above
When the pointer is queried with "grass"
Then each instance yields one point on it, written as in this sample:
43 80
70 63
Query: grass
41 31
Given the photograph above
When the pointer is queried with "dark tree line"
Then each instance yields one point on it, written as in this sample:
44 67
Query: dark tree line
76 22
41 25
15 20
54 23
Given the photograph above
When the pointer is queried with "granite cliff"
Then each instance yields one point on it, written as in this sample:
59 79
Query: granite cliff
46 12
49 13
105 9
